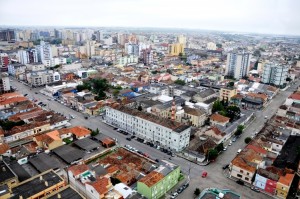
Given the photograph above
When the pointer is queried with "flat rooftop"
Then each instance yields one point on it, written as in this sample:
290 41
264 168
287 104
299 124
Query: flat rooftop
68 154
66 193
86 144
36 185
43 162
5 173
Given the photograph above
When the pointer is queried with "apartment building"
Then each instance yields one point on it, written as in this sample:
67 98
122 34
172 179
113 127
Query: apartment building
238 64
162 131
227 93
275 74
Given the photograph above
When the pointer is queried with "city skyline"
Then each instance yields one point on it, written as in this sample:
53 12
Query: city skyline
268 17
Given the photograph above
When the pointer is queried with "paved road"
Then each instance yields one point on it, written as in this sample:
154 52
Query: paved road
215 173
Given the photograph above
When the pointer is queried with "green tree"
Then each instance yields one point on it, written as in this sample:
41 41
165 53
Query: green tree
239 130
8 125
169 71
94 133
116 92
212 154
67 140
217 106
140 108
180 82
154 72
197 192
247 140
233 112
219 45
230 84
220 147
288 79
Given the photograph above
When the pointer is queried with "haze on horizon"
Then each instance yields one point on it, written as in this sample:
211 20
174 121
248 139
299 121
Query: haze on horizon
260 16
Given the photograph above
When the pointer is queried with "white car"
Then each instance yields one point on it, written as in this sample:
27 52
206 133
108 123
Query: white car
230 143
225 148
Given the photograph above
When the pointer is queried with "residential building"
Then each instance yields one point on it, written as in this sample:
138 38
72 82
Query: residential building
275 74
4 83
132 49
49 140
227 93
28 56
38 186
159 181
7 35
147 55
211 46
176 49
43 77
217 119
165 132
44 52
193 116
283 185
4 61
204 95
238 64
98 188
7 176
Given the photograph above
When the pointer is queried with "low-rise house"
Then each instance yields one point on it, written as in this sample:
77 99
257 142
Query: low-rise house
217 119
216 134
159 181
204 95
254 101
195 117
284 184
98 188
7 176
49 140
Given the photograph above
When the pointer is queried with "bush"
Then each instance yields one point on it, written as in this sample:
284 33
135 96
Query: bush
197 192
67 140
247 140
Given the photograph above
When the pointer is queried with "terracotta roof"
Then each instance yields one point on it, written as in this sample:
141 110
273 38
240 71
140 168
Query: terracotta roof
193 111
3 148
107 141
101 185
217 131
257 95
79 131
4 101
78 169
219 118
112 169
237 96
295 96
287 179
257 149
152 178
10 95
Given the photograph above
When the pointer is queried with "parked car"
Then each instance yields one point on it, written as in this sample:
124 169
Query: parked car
225 148
234 139
132 137
240 182
180 190
253 188
157 160
128 138
174 195
185 185
36 92
25 94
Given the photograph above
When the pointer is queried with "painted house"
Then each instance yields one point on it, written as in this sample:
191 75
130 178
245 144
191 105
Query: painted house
159 181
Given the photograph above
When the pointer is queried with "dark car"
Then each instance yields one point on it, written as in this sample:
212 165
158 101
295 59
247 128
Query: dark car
169 153
180 190
125 133
132 137
25 95
156 160
185 185
151 144
115 128
225 166
36 92
240 182
129 139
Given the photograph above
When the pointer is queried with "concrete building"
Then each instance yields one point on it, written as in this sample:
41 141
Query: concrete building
159 181
7 35
176 49
274 74
164 132
132 49
227 93
44 53
211 46
238 64
4 60
28 56
4 83
147 55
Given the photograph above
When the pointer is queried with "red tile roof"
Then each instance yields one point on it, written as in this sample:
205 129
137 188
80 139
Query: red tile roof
152 178
4 101
295 96
287 179
3 148
219 118
257 149
101 185
78 169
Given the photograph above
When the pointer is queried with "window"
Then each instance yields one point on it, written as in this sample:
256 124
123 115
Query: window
246 178
241 171
247 173
239 175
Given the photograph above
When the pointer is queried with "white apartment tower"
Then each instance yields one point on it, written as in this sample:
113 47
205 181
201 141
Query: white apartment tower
238 64
275 74
44 53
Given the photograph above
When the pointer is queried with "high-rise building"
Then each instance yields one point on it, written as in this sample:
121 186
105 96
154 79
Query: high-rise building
132 49
176 49
90 48
99 35
182 40
147 56
4 83
4 60
28 56
44 53
274 74
7 35
238 64
57 34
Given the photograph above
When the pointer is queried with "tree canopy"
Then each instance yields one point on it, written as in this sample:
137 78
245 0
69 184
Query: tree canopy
247 140
180 82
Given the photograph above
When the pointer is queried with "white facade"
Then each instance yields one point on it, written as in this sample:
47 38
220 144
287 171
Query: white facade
211 46
27 56
238 64
127 60
275 74
5 82
44 53
156 132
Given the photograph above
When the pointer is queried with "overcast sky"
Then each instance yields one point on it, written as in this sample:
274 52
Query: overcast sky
262 16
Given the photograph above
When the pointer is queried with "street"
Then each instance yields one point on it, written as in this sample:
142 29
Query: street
215 176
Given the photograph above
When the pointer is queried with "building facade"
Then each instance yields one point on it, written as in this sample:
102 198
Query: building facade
274 74
238 64
227 93
161 131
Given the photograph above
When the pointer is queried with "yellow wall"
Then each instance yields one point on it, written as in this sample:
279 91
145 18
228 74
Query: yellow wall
227 93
